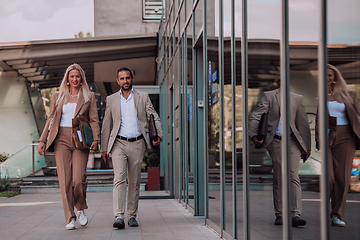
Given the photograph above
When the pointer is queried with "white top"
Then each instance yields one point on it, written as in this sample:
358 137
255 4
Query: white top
338 110
129 126
68 112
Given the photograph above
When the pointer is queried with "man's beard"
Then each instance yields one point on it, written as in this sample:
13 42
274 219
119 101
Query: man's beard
126 88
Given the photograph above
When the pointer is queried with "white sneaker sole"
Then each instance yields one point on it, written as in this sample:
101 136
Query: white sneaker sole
338 224
84 224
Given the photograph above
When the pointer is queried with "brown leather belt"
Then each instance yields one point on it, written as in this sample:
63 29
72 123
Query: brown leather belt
130 139
277 137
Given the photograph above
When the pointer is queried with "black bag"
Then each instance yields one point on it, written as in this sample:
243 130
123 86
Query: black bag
263 128
152 129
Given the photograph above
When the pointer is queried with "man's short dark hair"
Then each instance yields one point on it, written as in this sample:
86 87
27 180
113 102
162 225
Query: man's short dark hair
124 69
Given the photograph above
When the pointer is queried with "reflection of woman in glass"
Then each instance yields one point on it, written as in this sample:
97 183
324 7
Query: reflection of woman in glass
73 99
343 105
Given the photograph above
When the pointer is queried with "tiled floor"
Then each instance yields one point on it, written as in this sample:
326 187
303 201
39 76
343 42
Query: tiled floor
40 216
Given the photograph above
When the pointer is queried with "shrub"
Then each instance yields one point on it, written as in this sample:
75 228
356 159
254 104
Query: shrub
3 157
153 160
4 184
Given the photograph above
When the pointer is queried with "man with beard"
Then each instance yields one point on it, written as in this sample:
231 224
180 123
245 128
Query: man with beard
126 136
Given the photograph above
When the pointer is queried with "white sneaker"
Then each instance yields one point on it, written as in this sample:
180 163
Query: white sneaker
335 221
82 218
71 224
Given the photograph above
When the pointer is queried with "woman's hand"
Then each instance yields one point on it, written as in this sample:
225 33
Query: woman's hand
41 148
94 146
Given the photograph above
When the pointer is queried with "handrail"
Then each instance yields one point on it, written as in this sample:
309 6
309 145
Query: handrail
25 162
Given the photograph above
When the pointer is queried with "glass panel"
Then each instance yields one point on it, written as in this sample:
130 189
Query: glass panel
344 55
198 19
190 105
189 5
304 81
171 133
177 121
213 120
213 134
182 18
20 164
228 140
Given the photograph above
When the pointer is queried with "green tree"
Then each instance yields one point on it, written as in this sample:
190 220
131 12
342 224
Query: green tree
81 35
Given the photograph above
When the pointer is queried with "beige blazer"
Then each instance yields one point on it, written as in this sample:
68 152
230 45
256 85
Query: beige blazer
353 113
51 128
112 119
299 123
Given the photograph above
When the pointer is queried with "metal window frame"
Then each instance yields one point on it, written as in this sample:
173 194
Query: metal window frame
245 153
323 122
285 117
221 121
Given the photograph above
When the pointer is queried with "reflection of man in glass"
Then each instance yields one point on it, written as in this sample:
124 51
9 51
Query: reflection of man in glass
300 145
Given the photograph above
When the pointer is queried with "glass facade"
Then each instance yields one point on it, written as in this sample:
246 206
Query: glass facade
216 58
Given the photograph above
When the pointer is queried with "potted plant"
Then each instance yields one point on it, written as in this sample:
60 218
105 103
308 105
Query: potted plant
153 169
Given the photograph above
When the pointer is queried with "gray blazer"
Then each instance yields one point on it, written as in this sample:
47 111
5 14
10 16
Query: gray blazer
112 119
299 123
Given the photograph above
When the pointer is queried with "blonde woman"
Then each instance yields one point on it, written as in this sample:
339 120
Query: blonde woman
343 109
73 99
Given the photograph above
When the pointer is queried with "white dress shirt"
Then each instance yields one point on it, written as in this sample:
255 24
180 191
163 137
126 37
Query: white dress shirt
129 126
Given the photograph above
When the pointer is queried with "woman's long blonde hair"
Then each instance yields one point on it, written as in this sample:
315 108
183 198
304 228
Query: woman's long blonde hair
64 91
338 88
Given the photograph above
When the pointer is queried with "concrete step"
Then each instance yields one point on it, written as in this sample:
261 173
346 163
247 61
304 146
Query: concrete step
50 184
56 188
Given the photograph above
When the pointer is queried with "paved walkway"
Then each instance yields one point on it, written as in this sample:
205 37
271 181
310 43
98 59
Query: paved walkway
40 216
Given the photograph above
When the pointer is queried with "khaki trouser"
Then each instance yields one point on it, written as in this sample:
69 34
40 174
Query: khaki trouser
341 155
71 170
127 158
274 149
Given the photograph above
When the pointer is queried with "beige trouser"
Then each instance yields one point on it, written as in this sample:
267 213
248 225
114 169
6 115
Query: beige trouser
274 149
71 171
127 158
341 157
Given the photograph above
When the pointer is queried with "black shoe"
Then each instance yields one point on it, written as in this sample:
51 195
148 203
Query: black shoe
132 222
297 221
279 220
119 223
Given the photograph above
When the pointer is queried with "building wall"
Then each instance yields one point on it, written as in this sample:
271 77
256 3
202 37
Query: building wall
121 17
20 119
